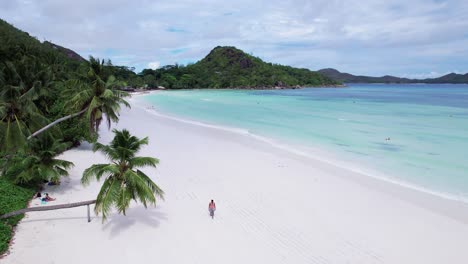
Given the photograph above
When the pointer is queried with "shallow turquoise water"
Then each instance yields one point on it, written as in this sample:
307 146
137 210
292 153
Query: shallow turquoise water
427 125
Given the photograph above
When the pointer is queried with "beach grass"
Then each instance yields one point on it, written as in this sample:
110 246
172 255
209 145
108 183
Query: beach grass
12 198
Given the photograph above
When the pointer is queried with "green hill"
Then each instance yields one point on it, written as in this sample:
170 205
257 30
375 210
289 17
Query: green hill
16 45
229 67
38 70
449 78
349 78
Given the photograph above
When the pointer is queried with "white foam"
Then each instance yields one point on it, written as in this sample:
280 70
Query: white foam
315 154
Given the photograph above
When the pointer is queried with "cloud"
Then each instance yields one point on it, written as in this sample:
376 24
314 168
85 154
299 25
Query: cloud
154 65
365 37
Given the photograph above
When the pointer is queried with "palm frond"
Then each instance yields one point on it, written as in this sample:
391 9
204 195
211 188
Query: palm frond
107 197
139 188
106 150
13 138
64 164
124 198
142 162
98 171
153 186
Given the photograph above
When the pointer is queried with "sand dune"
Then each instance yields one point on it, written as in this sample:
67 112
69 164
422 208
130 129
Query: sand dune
273 207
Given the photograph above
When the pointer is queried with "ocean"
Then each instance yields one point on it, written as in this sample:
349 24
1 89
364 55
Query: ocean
415 135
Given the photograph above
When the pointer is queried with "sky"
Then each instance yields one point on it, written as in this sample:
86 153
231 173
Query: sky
406 38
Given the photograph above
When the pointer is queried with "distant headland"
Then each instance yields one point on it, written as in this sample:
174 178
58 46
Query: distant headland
349 78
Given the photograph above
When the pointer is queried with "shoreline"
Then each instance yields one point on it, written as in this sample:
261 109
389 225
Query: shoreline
294 87
273 206
316 154
343 85
444 203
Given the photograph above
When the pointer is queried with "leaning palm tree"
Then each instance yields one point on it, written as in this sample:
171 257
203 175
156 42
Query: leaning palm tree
123 181
93 98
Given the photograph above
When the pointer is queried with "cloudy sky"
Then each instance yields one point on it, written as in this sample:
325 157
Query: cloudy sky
410 38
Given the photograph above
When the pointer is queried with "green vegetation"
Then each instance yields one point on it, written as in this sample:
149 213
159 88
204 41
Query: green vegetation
32 79
39 164
37 82
228 67
50 100
92 97
12 198
123 181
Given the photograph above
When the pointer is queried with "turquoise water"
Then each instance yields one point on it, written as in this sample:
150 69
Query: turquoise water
427 125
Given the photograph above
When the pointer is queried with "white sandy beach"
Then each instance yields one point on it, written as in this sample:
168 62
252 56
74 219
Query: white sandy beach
272 207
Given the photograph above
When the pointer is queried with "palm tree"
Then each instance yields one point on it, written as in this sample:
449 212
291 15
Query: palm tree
92 97
123 181
39 163
21 84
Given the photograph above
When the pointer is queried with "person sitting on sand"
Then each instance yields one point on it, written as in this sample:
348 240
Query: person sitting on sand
37 195
212 208
47 198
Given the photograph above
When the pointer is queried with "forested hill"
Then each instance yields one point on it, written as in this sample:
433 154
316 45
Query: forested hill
229 67
18 48
32 80
349 78
16 44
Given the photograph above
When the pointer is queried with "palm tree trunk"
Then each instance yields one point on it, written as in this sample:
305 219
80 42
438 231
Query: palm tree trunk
47 208
56 122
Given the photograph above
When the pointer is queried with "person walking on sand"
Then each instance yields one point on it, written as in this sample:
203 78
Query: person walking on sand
212 208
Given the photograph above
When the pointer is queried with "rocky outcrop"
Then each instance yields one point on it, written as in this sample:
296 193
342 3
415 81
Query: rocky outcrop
70 53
